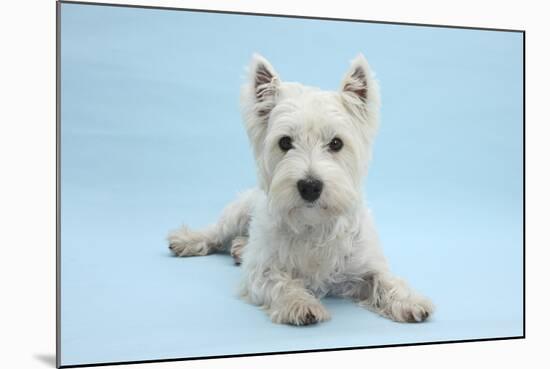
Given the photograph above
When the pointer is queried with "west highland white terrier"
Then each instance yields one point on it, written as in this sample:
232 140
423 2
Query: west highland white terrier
304 233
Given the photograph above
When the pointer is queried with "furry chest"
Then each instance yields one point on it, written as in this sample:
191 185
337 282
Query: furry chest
319 265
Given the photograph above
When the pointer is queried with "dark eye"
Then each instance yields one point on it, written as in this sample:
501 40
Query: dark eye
285 143
336 144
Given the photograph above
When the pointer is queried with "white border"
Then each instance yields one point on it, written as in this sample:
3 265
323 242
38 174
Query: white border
406 11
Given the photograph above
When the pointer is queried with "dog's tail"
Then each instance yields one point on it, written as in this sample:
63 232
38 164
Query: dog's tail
230 232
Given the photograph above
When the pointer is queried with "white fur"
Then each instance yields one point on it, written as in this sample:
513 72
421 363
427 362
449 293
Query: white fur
294 252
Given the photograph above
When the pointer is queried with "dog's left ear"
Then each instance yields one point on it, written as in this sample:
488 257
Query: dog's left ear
359 89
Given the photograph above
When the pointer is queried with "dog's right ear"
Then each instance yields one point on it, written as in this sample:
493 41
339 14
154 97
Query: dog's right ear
259 96
264 84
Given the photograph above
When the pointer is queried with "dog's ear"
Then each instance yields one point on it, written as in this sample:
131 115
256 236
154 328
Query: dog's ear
264 84
356 81
259 96
359 89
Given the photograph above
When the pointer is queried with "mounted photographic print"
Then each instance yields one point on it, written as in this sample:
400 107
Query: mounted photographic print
235 184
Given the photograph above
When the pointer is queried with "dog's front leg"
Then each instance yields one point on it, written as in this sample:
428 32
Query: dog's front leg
286 300
390 296
373 286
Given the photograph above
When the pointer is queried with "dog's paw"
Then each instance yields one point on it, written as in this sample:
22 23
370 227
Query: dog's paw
237 247
300 313
184 242
415 309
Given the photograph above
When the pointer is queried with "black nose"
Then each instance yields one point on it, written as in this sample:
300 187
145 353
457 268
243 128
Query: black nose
310 189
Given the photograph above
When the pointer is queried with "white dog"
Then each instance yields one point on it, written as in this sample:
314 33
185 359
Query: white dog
304 232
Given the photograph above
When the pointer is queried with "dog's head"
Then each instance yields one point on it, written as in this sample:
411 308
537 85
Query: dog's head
311 146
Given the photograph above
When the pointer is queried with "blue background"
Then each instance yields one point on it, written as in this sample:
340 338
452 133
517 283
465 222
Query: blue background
151 137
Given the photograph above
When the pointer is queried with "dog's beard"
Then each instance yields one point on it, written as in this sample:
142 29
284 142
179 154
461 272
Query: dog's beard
289 208
309 214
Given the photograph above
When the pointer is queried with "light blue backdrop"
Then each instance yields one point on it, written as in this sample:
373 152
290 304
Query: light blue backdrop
151 137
